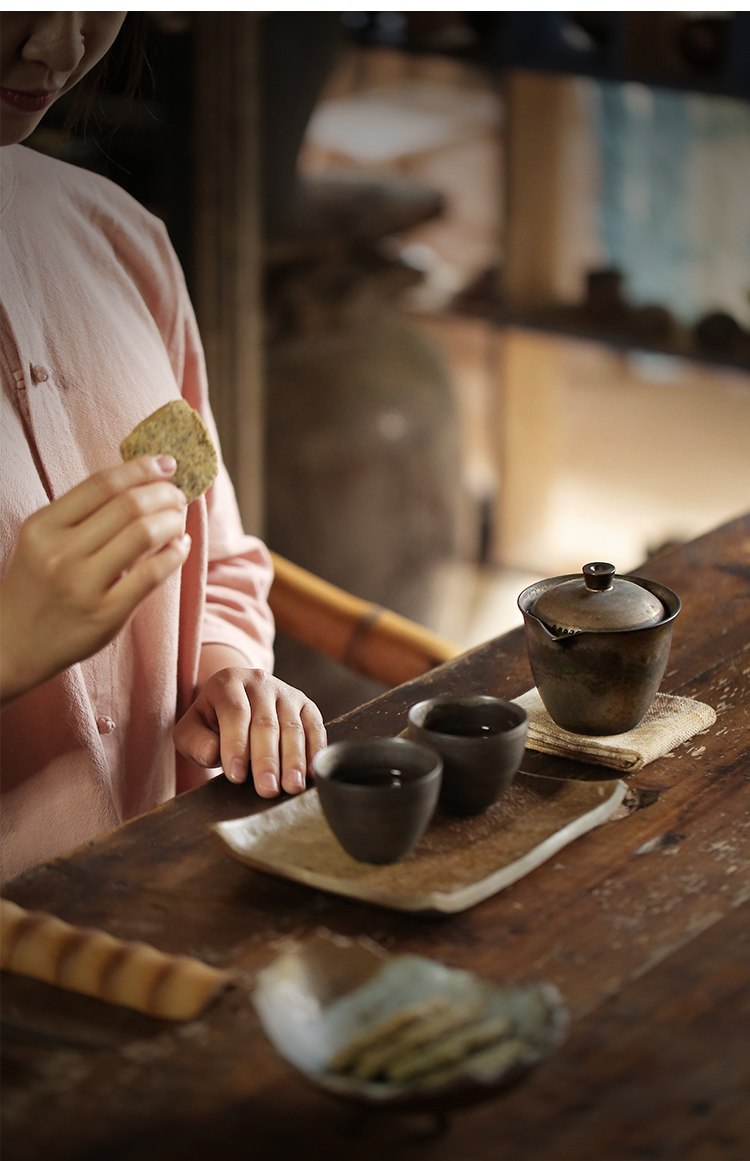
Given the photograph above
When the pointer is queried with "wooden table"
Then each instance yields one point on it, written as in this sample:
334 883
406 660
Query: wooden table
651 951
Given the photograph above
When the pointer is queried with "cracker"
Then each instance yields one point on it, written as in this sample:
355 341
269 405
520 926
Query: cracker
448 1050
383 1030
485 1063
449 1018
177 430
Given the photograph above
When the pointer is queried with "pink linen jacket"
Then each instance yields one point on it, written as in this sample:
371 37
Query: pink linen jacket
96 332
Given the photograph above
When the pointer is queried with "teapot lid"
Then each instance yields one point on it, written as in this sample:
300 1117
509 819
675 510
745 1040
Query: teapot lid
597 601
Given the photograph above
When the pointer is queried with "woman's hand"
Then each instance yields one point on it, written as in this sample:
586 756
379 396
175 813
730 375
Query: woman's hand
83 564
243 716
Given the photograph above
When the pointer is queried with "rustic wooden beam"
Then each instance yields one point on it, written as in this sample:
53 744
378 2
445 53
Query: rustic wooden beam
540 111
228 242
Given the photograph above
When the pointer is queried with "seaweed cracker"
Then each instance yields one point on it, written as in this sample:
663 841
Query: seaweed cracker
177 430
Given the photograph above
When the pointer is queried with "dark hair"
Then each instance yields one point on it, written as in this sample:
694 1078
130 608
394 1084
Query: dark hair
126 64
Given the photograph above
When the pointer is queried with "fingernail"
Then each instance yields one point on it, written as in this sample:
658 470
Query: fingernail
268 782
166 464
298 779
205 754
237 770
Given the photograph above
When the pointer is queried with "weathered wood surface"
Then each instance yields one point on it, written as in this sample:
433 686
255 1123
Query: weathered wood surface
651 951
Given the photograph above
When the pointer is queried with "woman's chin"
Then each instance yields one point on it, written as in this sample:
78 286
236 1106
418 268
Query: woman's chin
16 126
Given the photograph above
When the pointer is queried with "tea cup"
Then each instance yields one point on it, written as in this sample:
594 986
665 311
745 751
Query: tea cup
480 740
378 795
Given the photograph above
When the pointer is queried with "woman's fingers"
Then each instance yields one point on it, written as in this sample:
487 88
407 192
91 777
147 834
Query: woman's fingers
126 509
126 515
62 601
260 720
265 733
125 596
233 715
147 535
293 751
315 731
284 735
105 486
196 735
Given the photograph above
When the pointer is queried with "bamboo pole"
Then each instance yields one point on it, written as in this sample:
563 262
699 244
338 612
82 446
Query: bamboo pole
368 639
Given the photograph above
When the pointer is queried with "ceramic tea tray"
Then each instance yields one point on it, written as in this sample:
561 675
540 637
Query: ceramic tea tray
457 863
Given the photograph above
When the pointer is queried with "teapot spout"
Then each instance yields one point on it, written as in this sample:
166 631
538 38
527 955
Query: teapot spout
553 631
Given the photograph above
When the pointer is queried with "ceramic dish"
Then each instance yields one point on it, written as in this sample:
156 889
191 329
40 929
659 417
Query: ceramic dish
318 1000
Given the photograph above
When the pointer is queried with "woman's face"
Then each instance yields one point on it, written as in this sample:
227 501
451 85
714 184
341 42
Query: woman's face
42 55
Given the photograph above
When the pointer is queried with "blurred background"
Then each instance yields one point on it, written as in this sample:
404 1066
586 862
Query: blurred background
474 287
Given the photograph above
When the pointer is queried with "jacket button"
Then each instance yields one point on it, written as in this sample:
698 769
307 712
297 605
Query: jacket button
105 725
39 373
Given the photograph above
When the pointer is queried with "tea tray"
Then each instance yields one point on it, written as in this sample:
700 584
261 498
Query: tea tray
457 863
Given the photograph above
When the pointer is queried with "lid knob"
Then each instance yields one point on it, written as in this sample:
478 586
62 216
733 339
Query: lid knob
598 576
597 601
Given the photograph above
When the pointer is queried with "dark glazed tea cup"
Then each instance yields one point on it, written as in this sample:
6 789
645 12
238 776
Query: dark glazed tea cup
378 795
481 741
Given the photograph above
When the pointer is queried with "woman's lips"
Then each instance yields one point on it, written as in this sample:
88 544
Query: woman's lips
29 102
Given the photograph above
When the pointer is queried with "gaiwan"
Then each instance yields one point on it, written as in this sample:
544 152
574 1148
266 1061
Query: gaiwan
598 645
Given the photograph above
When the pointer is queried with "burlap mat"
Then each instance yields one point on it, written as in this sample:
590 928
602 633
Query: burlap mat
670 721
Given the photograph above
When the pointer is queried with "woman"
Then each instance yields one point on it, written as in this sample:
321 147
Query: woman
120 611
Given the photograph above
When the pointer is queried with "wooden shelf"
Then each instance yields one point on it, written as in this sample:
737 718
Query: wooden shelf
571 322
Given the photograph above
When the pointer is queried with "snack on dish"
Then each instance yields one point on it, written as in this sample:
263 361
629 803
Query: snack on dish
420 1045
498 1058
447 1017
457 1046
177 430
132 974
384 1034
349 1017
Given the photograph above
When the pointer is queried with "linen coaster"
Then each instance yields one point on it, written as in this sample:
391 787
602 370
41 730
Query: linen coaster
670 721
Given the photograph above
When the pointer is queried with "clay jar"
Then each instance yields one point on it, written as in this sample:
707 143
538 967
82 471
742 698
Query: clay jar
480 740
378 795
